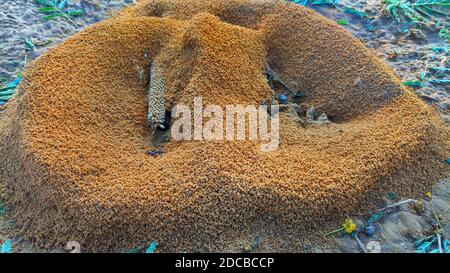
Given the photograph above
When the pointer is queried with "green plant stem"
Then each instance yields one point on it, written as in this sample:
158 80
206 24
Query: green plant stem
333 232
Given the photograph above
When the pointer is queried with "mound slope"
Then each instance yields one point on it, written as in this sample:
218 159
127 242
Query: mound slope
73 142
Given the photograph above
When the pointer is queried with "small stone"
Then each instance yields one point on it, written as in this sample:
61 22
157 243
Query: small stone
392 54
359 83
417 34
323 118
36 53
311 114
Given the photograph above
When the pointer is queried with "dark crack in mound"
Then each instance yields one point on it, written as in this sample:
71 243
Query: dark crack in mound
73 142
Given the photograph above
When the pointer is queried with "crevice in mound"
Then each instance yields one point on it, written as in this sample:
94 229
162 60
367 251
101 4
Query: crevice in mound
281 88
292 102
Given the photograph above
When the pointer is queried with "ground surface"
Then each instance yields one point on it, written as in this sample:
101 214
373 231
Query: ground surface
407 50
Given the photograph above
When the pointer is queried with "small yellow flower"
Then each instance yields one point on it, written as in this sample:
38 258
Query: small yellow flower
349 226
428 194
419 205
247 248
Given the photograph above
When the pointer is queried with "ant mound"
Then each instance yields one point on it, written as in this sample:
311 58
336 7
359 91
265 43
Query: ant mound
74 142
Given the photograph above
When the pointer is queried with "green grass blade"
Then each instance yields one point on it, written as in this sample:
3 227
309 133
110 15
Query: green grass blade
47 10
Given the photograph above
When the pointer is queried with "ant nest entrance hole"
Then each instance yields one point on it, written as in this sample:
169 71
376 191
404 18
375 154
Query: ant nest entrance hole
160 134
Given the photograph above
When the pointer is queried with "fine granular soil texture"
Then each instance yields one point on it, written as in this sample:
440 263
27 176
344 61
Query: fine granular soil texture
73 142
